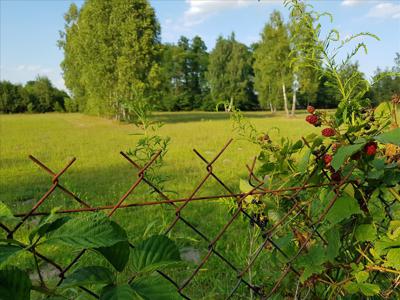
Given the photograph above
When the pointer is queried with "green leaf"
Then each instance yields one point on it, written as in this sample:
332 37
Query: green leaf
333 239
312 262
88 231
303 163
117 255
156 252
14 284
361 276
344 207
8 250
366 232
394 230
393 258
384 244
369 289
46 226
351 287
155 288
244 186
89 275
5 213
390 137
119 292
383 109
310 270
344 153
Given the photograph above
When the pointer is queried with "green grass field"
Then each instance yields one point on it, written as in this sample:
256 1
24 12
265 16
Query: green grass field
101 176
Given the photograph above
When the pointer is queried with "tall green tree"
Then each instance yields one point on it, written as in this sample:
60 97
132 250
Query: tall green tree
110 54
273 73
385 88
184 66
10 98
230 73
305 77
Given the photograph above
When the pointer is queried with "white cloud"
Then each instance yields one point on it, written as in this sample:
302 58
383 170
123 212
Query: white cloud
200 10
385 10
34 69
352 2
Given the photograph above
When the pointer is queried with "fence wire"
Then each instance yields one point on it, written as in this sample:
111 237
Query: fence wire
266 243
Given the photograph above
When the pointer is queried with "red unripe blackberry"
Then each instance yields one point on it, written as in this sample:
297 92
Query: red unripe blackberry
328 132
327 159
310 109
312 119
371 148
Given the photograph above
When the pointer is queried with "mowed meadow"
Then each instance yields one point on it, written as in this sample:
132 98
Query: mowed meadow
100 176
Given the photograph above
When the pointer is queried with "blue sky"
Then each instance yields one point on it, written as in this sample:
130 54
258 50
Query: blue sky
29 29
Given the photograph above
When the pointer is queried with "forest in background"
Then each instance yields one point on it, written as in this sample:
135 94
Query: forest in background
114 59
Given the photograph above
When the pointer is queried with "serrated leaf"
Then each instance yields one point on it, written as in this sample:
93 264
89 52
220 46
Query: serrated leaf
310 270
343 153
312 262
119 292
343 208
156 252
48 225
117 255
155 288
393 258
369 289
7 251
390 137
89 275
365 232
89 231
5 213
14 284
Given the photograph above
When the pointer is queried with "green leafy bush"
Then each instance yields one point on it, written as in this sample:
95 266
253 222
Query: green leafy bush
129 274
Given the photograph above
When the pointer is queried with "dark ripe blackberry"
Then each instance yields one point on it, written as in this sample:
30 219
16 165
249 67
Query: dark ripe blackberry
372 119
263 223
254 201
323 148
315 152
336 176
367 127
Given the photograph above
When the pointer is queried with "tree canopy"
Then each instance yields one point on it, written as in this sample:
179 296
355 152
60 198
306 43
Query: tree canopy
110 54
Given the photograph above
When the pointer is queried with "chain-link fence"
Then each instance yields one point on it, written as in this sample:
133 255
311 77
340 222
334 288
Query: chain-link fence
290 195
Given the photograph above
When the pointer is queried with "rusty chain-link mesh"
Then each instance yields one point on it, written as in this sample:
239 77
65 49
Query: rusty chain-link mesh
289 195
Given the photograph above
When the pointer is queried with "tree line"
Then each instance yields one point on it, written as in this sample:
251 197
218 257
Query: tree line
114 59
36 96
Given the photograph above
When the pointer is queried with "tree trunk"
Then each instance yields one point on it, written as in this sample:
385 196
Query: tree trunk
271 107
294 103
285 99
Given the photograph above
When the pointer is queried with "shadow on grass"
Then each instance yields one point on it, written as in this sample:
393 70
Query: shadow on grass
182 117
